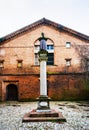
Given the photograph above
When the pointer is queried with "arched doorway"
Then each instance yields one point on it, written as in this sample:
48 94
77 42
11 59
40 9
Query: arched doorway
11 92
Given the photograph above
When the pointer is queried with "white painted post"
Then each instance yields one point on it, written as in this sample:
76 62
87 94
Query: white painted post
43 78
43 100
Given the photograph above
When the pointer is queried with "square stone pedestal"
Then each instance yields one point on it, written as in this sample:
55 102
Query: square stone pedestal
43 112
35 116
43 104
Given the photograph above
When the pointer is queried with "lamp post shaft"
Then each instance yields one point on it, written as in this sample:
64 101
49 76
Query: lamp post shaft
43 78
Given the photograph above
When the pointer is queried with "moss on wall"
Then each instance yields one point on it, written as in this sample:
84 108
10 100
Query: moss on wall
85 84
59 86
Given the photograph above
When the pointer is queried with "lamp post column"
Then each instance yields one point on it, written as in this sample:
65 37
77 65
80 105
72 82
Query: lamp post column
43 78
43 100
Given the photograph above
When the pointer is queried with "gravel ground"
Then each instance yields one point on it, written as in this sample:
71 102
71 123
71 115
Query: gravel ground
76 114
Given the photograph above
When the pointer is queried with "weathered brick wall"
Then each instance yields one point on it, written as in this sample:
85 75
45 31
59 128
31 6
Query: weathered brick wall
22 47
28 86
60 86
0 90
68 87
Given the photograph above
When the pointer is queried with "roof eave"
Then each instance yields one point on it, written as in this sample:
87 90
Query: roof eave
45 22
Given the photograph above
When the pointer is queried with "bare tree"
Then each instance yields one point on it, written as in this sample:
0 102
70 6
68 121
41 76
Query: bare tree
83 51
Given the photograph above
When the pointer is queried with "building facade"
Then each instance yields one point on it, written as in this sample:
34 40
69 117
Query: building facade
67 65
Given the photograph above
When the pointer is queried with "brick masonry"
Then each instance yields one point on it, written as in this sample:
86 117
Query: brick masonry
60 86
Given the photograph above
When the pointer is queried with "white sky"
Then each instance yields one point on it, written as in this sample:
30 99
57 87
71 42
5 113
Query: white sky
15 14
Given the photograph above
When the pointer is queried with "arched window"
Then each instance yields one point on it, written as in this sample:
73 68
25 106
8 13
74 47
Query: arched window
50 49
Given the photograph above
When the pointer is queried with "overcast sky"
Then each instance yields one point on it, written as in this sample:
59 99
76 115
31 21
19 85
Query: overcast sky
15 14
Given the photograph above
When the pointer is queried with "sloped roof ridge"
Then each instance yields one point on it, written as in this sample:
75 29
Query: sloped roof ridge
22 30
62 27
47 22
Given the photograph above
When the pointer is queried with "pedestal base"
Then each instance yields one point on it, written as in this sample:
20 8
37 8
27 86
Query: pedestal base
35 116
43 104
43 112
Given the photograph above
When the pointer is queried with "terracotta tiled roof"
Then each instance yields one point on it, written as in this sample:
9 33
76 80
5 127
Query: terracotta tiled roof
44 21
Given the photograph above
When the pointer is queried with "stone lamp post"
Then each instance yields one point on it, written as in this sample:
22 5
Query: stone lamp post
43 100
43 111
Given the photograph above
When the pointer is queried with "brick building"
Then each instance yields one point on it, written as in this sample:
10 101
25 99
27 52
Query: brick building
67 66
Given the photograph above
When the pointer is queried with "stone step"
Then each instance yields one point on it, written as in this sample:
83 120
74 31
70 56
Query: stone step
35 116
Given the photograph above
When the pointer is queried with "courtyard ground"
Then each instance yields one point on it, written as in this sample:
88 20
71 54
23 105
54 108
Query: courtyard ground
76 114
